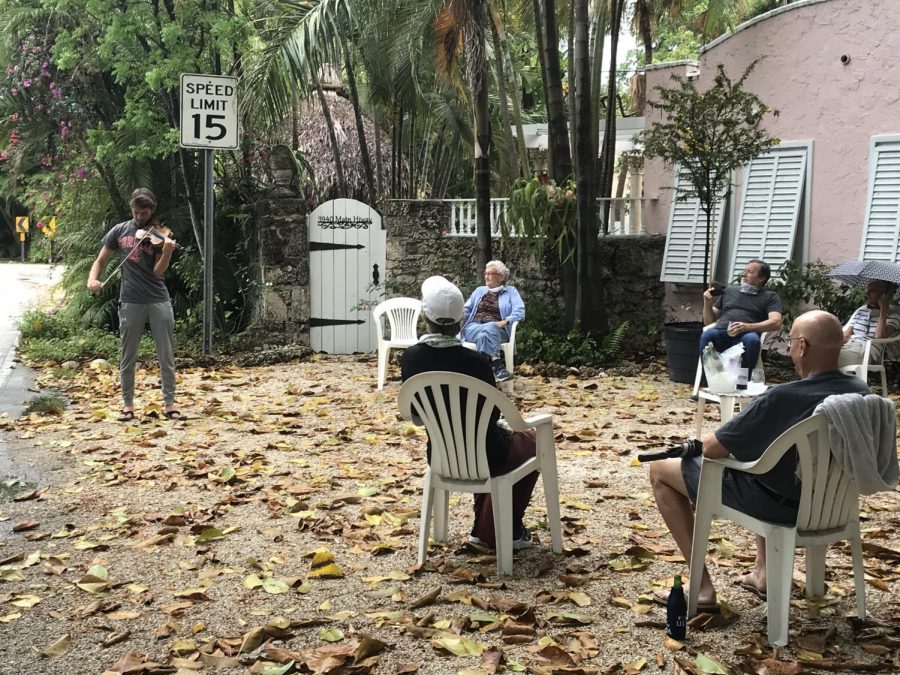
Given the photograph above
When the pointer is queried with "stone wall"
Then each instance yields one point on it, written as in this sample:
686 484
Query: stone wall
279 268
416 249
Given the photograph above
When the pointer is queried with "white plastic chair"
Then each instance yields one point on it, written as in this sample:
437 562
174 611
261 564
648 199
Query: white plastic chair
508 349
829 512
403 317
456 411
759 362
862 370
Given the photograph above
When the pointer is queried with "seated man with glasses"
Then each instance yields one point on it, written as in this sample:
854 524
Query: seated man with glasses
488 313
815 342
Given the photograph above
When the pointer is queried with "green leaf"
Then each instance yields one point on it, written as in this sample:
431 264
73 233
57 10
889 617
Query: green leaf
331 634
275 586
707 665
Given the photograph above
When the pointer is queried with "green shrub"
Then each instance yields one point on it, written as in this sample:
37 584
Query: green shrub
55 337
807 286
46 404
543 339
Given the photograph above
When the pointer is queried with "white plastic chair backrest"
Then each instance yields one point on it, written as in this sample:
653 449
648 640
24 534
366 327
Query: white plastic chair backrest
402 315
456 412
829 496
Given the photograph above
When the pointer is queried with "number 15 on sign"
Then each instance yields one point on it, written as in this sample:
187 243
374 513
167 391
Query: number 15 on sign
209 118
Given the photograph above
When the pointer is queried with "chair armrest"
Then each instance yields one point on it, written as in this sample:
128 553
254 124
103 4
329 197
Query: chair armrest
537 420
766 462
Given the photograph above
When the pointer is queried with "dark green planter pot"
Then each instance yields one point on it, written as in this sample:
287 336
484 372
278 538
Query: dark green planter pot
682 349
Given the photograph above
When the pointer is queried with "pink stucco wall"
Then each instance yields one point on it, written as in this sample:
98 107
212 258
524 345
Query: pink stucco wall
836 106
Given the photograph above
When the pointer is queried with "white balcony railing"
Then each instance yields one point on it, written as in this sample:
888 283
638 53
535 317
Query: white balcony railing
625 216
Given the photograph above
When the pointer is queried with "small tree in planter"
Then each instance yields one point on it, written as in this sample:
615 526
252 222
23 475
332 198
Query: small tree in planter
708 134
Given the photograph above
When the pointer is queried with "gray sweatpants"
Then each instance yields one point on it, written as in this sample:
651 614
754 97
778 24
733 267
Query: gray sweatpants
132 319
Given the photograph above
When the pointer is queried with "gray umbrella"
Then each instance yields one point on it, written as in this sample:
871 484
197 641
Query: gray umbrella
861 272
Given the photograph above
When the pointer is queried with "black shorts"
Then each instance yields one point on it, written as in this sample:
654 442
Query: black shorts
742 492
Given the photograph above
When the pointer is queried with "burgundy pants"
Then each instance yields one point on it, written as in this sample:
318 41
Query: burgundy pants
522 447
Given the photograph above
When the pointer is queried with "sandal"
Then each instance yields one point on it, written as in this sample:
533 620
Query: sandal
172 415
125 416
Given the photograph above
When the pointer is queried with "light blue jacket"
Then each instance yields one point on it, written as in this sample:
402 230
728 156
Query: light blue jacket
512 308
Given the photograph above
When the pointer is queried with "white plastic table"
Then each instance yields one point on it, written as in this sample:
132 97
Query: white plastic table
727 401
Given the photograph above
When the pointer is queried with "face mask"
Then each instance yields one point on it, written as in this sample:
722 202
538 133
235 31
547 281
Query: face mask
497 289
749 288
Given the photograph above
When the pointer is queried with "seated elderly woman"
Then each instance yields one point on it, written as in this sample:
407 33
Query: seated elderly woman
488 313
873 321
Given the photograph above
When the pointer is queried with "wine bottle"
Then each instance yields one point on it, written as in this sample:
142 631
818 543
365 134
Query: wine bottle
676 612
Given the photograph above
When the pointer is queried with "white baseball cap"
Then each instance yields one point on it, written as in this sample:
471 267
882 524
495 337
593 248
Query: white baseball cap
442 302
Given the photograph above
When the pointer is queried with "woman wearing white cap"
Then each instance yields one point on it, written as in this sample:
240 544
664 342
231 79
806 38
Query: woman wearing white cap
441 349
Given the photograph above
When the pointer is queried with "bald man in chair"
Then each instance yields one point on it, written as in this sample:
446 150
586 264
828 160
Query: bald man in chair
815 343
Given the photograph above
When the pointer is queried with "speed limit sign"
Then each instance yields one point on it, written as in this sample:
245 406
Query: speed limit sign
209 118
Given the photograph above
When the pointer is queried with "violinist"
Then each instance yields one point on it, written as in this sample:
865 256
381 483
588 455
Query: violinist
143 296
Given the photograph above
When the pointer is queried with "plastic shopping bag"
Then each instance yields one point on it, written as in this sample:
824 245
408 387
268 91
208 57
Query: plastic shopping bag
722 369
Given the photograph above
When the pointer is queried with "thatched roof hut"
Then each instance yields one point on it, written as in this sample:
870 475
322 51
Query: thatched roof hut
306 130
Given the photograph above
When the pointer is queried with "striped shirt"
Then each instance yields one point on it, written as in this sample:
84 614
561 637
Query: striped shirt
864 322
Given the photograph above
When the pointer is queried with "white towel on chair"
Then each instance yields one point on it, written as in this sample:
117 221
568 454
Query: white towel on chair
863 439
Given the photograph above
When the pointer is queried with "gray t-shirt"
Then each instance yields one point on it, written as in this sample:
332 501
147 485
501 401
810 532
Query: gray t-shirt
139 284
737 306
775 411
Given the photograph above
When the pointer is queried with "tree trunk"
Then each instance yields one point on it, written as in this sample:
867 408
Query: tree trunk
411 154
360 129
335 150
609 134
645 33
512 78
590 308
379 170
573 84
557 128
509 166
482 159
601 21
539 36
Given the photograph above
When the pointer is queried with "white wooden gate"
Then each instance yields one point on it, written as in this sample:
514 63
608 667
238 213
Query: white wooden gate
346 257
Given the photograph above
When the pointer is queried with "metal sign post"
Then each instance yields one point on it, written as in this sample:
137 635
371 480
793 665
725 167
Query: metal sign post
209 121
22 229
209 197
50 232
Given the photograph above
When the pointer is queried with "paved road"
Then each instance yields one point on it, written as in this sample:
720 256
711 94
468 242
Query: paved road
20 287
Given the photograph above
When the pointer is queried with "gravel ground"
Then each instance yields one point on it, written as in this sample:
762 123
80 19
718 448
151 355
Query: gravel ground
205 531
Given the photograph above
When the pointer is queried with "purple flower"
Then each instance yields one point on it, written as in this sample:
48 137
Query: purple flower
26 84
10 69
80 172
3 155
13 91
14 117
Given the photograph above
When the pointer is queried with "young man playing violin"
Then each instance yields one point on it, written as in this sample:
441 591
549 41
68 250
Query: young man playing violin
143 297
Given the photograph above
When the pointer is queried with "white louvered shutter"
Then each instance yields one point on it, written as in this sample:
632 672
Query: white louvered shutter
770 208
683 259
882 226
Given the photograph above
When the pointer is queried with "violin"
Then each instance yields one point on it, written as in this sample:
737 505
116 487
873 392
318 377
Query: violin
157 235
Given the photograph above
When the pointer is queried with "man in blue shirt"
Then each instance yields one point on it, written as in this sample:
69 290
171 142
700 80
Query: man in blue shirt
815 341
488 313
